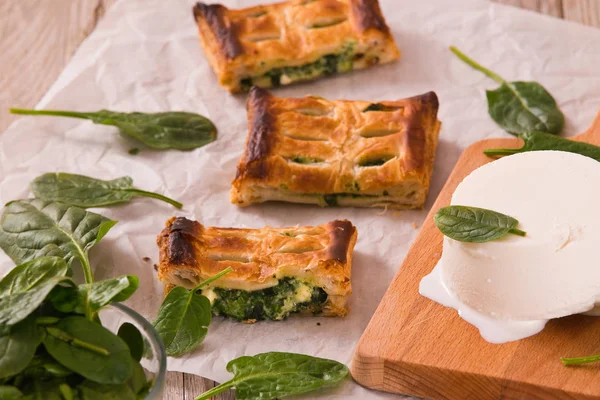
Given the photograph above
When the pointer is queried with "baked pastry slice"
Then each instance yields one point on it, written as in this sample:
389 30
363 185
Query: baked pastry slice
276 271
292 41
346 153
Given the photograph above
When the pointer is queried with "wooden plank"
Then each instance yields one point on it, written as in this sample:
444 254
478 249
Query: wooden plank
174 389
583 11
37 40
195 385
418 347
548 7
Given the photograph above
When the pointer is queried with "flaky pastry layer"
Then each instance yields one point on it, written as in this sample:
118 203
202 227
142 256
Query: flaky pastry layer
292 41
318 255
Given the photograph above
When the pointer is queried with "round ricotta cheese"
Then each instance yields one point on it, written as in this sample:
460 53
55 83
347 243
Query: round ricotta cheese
551 272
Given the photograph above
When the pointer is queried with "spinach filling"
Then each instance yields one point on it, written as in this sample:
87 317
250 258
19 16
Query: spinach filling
288 296
305 160
324 66
379 107
373 162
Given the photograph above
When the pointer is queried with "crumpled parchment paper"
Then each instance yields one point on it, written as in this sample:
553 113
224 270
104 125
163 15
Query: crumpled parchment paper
145 56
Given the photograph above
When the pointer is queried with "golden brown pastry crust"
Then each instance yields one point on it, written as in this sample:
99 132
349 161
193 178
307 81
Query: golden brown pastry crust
340 142
249 42
319 255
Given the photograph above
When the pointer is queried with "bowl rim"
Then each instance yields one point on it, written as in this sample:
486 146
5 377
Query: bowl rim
159 380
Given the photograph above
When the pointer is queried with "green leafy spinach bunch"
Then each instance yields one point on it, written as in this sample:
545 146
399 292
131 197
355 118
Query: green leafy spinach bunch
52 344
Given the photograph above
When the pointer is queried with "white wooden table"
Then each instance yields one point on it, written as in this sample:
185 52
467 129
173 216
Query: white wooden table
37 39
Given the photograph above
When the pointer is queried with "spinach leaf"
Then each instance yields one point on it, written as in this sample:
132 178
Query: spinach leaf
98 294
184 317
519 107
183 320
143 393
42 366
275 375
138 378
83 191
537 141
18 347
165 130
66 300
90 350
10 393
33 228
134 339
89 298
94 391
31 274
45 390
476 225
16 307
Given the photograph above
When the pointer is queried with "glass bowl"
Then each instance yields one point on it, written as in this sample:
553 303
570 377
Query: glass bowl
154 358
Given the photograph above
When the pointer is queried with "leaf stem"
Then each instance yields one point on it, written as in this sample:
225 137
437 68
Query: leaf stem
89 279
216 390
46 320
213 278
476 65
500 152
144 193
580 360
65 391
516 231
87 269
58 113
65 337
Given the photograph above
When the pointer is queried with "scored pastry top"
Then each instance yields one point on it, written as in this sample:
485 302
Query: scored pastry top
253 41
315 146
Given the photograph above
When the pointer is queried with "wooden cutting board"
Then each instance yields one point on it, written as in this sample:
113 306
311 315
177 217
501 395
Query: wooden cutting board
416 346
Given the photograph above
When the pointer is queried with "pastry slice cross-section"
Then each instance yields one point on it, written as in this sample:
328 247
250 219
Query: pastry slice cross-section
292 41
276 271
345 153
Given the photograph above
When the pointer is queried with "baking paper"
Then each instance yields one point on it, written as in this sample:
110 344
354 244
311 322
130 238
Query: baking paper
145 56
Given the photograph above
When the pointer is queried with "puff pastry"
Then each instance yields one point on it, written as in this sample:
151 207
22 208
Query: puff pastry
292 41
276 271
346 153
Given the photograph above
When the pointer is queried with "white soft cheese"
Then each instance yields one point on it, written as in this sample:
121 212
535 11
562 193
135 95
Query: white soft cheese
285 79
550 273
303 293
210 294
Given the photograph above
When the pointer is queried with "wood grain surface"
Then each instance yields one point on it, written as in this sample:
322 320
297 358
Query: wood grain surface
38 38
418 347
548 7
